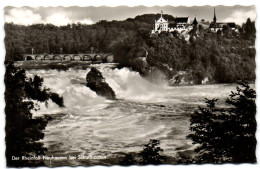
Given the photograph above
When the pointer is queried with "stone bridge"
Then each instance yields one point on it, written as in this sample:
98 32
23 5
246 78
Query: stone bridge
100 57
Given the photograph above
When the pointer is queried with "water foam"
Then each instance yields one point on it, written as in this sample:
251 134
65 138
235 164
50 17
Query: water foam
130 85
70 85
127 84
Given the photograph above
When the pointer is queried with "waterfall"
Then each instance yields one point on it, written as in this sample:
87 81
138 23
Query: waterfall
127 85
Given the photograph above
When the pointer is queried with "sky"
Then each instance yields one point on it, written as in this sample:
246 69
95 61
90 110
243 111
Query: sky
90 14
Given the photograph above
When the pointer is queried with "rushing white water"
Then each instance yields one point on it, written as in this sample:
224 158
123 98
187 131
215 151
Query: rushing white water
91 125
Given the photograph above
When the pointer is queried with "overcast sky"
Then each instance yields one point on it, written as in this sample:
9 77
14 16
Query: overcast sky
89 15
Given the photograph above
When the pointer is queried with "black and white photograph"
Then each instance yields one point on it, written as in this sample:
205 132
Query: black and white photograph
129 85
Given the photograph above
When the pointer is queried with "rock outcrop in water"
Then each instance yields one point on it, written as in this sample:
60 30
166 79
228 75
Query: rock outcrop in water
96 82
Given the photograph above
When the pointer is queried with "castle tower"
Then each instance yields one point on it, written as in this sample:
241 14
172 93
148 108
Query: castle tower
214 18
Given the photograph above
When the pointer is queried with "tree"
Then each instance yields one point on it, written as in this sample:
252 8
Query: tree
249 29
193 32
22 129
151 153
226 135
128 160
244 128
227 31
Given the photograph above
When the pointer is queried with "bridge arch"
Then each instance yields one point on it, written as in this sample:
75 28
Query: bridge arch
67 57
47 57
87 58
57 57
97 58
29 57
109 58
76 58
38 57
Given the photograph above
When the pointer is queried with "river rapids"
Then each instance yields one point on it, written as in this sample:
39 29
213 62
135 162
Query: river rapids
93 126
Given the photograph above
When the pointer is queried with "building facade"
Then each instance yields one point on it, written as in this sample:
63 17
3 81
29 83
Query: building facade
161 24
179 24
215 26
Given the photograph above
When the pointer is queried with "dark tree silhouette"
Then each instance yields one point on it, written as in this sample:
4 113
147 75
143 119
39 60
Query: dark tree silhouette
226 135
151 153
22 130
249 29
128 160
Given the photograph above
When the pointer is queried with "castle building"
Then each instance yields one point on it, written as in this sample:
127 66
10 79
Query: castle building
215 26
161 24
179 24
182 22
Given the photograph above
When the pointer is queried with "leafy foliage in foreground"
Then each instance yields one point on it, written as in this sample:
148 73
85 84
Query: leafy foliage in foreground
22 130
149 155
226 135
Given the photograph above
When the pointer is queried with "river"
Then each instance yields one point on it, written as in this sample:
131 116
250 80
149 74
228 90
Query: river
93 126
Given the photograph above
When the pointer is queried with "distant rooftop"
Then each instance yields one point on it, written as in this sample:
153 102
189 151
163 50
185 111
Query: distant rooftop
221 24
181 19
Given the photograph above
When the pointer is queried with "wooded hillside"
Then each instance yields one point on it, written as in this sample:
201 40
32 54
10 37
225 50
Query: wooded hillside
223 57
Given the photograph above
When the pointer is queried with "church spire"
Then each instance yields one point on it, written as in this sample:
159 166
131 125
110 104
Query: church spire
195 22
161 13
215 18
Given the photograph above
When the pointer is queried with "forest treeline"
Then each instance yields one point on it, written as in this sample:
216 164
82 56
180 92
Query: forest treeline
223 57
